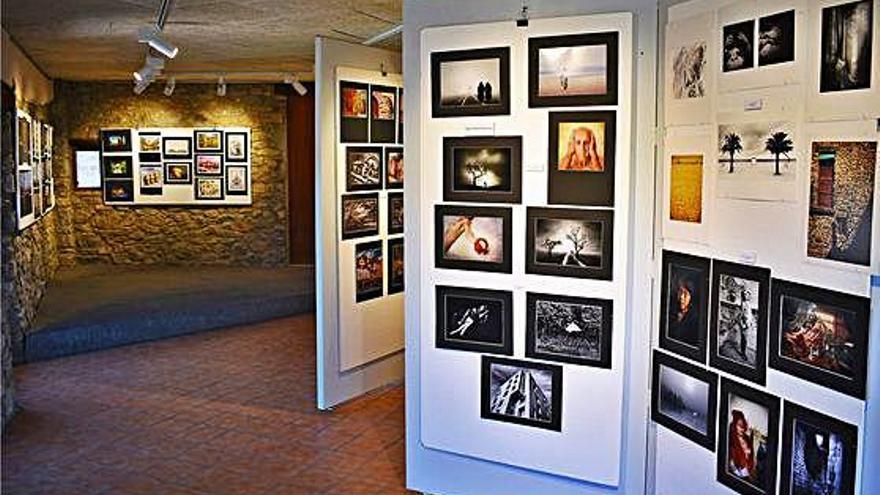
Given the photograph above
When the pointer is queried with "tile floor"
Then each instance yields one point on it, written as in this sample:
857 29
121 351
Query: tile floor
226 412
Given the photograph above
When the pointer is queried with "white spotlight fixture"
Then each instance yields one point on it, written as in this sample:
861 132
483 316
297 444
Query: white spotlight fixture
297 86
141 86
153 37
221 86
169 86
152 67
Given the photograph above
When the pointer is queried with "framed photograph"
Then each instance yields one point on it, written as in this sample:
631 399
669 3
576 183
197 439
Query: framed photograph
568 329
573 70
151 179
846 46
118 191
236 146
393 168
209 188
353 112
236 180
684 305
118 167
472 238
570 243
395 213
470 82
208 140
177 147
383 111
818 453
360 215
686 188
581 161
842 201
501 398
482 169
738 334
820 336
748 439
25 143
683 399
476 320
776 38
25 193
178 172
115 140
395 265
399 115
738 46
363 168
209 164
368 271
149 147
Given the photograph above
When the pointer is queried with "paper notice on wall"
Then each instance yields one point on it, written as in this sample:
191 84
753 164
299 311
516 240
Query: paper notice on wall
88 169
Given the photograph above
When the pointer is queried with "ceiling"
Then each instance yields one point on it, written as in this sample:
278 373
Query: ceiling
97 39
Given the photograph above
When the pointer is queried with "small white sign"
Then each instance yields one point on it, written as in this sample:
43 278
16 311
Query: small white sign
88 169
754 105
479 130
748 257
534 167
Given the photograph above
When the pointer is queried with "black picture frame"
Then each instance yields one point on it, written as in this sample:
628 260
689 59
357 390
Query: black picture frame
219 171
498 310
154 189
555 402
704 439
400 116
855 311
150 158
395 222
691 272
236 192
453 190
177 156
441 260
348 200
717 359
440 110
609 39
107 137
227 150
350 184
857 73
771 404
738 46
783 24
396 279
208 149
220 187
375 290
389 183
382 130
353 128
118 191
816 423
537 262
566 336
168 176
108 167
581 186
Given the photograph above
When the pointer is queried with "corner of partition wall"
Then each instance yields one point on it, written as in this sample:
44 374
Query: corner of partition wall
871 477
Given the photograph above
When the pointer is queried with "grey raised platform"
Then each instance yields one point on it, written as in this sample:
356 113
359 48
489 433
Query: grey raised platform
97 307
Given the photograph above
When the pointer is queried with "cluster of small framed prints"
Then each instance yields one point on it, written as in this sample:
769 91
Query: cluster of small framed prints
35 182
176 166
815 334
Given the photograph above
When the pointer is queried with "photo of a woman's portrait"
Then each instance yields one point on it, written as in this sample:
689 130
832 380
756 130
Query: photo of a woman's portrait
582 146
685 297
747 454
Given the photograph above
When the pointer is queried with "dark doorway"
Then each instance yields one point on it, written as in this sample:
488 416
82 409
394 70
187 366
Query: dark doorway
301 175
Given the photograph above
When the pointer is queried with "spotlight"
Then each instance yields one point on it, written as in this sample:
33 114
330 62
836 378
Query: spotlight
523 20
297 86
221 86
150 70
169 87
153 37
141 86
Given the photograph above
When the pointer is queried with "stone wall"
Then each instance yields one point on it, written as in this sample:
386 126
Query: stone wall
90 232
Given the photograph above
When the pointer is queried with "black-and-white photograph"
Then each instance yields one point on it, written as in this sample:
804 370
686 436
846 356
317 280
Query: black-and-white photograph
522 392
567 242
846 46
738 334
756 152
363 168
477 320
688 71
683 399
360 215
738 46
395 213
569 329
470 82
776 38
482 169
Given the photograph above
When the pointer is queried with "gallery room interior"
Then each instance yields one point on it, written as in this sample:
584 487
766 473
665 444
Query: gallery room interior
636 250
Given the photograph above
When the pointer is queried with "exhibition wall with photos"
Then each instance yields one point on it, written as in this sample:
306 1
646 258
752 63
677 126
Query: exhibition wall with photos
34 181
769 235
176 166
527 215
369 188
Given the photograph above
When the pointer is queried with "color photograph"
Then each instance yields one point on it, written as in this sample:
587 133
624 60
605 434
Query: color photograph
360 215
482 169
363 168
738 46
683 399
846 56
150 142
393 168
117 167
569 329
842 201
573 70
776 38
503 398
382 104
686 188
209 140
209 188
209 165
685 303
25 193
114 140
395 266
151 177
748 439
476 320
236 147
470 82
118 191
473 238
177 147
395 213
178 172
581 158
354 102
369 271
688 71
581 147
236 180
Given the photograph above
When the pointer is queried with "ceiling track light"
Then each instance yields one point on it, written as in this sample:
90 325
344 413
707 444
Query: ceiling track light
297 86
141 86
169 86
384 35
153 37
152 67
221 86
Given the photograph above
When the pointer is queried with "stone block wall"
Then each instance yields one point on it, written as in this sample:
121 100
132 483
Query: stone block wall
91 232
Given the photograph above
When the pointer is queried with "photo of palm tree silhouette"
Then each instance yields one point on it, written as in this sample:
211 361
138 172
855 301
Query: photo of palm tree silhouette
756 149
